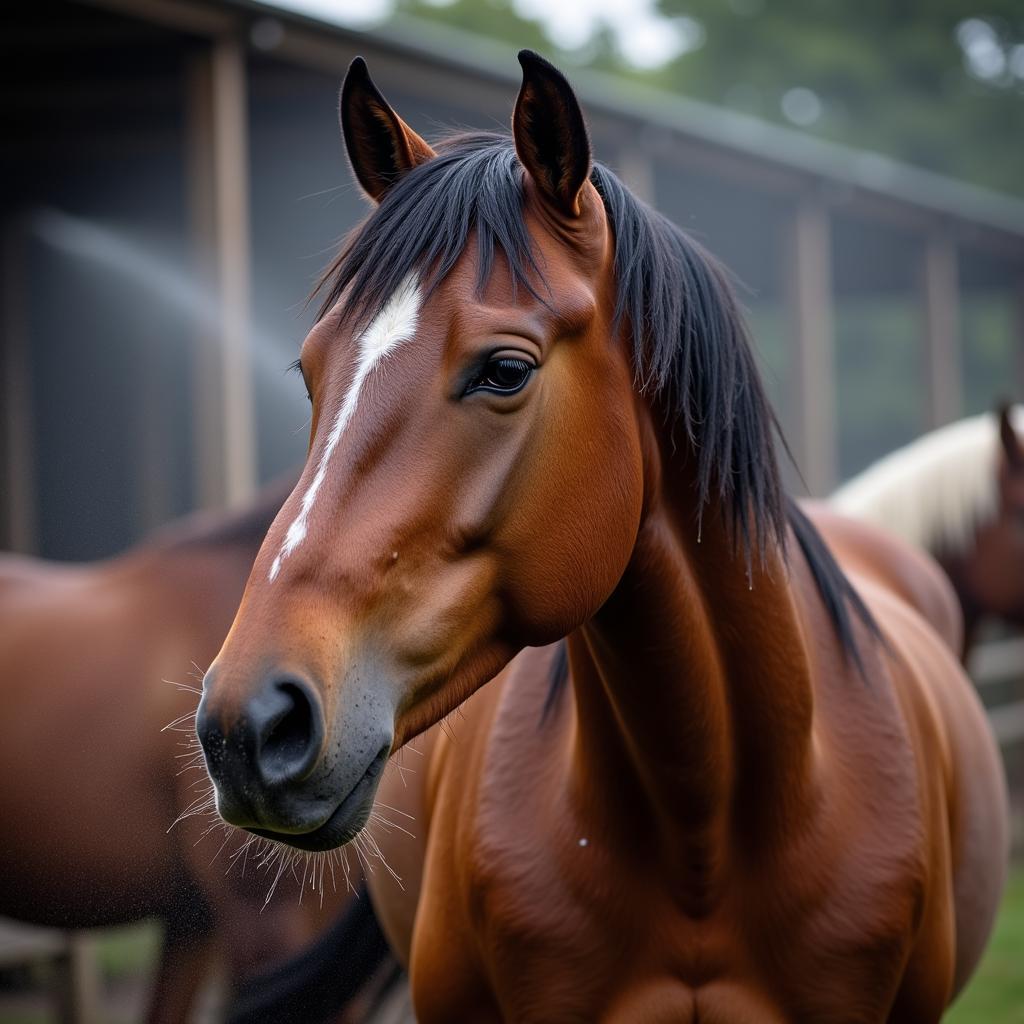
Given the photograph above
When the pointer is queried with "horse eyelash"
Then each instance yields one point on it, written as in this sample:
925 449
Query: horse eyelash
295 366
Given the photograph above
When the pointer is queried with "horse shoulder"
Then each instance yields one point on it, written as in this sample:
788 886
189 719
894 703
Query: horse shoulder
961 774
938 792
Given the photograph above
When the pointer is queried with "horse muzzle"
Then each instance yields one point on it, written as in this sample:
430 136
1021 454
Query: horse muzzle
280 772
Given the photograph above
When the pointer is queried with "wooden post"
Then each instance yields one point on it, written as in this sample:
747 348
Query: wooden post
940 289
225 426
16 422
78 982
809 295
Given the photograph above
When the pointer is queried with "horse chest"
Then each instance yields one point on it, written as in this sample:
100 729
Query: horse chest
558 930
560 922
576 966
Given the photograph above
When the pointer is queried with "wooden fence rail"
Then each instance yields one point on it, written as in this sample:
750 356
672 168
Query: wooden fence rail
993 664
73 960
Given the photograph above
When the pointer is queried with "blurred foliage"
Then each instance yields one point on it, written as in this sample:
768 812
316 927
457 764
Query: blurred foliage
129 950
493 19
929 81
937 83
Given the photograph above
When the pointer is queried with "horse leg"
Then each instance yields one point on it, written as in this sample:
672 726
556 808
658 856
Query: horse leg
185 956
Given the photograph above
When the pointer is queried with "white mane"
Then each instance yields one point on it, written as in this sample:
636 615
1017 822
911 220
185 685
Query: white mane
936 491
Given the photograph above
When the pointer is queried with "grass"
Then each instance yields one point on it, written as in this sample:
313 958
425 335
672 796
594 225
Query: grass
995 995
124 952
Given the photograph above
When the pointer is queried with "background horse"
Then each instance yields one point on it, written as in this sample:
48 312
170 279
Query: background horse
957 492
92 780
741 789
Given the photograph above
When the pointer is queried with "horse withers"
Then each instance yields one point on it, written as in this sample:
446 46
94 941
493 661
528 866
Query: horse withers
744 786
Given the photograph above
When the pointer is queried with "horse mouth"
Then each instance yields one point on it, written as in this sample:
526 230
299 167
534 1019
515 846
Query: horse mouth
347 819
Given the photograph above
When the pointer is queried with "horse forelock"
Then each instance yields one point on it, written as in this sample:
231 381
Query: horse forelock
936 491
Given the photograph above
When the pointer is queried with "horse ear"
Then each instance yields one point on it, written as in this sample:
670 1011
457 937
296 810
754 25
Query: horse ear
381 146
550 134
1013 446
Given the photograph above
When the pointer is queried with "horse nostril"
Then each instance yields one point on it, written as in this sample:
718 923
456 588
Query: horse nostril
289 731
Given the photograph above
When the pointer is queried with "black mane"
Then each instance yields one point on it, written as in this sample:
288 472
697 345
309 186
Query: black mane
691 346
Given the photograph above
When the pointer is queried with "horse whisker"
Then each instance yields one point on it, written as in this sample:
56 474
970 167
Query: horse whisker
390 826
183 686
273 887
376 851
388 807
178 721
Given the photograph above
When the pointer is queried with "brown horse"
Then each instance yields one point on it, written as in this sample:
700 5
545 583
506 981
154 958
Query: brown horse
91 783
957 492
741 790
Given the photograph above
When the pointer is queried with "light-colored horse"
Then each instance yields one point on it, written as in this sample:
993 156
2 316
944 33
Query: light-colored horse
958 493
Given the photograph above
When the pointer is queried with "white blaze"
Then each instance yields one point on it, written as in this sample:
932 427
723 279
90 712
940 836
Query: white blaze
395 323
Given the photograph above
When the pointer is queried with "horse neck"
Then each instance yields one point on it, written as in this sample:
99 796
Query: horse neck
692 686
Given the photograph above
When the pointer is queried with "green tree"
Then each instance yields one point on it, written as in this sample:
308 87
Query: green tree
937 83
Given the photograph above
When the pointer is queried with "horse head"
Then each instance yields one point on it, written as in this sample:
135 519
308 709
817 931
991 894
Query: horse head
475 476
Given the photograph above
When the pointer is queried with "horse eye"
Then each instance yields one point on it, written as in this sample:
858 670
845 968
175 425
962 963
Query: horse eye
504 376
